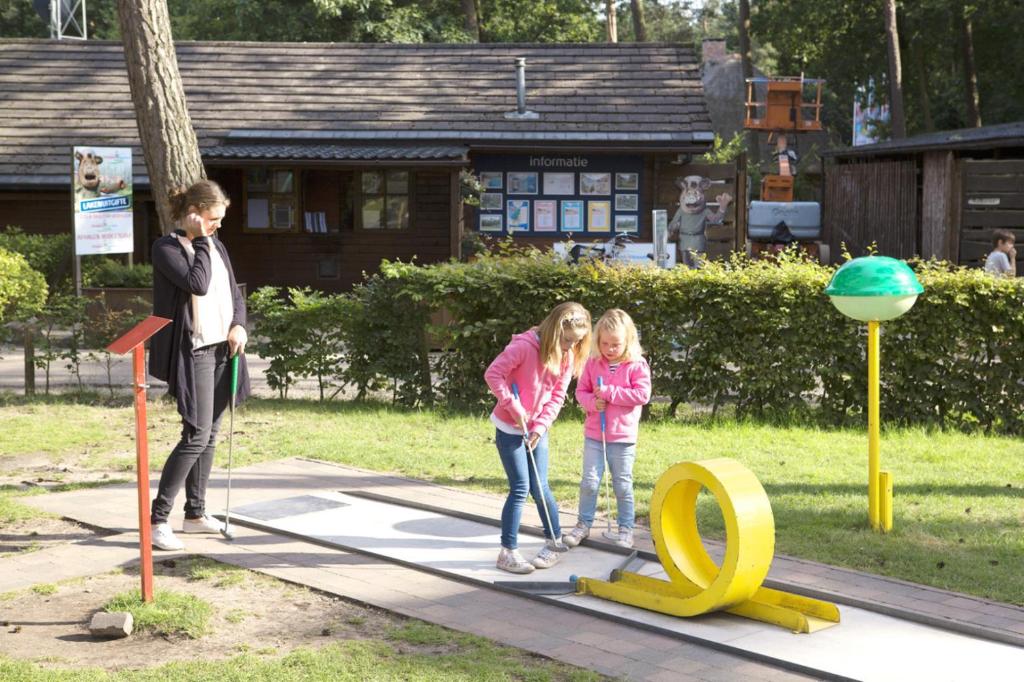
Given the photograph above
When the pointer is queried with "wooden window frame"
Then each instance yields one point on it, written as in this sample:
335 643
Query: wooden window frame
296 195
359 197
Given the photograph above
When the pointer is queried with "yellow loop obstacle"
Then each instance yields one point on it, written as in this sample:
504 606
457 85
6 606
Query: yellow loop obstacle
696 584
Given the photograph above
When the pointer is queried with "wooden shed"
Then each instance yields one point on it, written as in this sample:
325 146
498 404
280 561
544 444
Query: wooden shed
935 195
338 155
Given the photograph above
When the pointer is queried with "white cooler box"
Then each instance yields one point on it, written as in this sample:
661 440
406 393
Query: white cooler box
803 218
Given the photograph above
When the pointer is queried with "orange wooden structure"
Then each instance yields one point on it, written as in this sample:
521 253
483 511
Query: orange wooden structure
783 110
783 107
134 340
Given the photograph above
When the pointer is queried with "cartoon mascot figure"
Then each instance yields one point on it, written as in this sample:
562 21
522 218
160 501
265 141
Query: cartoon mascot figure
689 225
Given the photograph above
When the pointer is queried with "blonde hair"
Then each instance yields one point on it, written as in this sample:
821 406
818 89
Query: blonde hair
203 195
616 319
564 317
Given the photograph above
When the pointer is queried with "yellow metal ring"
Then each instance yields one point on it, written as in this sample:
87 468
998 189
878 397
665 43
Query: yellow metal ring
749 533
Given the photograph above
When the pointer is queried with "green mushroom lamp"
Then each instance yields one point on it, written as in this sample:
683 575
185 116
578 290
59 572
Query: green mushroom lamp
875 289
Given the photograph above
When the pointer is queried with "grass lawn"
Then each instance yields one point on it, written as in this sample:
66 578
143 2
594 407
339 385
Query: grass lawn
958 507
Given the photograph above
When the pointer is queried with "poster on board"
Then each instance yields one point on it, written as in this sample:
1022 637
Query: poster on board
101 181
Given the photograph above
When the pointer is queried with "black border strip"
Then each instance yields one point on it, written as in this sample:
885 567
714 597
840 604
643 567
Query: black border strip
958 627
692 639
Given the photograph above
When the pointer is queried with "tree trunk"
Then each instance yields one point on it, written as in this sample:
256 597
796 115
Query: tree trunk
747 66
917 58
970 72
639 24
613 26
169 143
472 24
899 125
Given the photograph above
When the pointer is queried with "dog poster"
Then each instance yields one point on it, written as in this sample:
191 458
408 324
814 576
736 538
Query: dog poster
101 181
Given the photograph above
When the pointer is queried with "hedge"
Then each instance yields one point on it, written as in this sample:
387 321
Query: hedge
759 335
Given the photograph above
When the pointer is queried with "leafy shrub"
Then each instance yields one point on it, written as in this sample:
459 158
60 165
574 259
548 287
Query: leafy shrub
50 254
759 335
22 289
108 272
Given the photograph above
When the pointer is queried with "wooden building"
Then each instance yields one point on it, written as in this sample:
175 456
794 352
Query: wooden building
935 195
338 155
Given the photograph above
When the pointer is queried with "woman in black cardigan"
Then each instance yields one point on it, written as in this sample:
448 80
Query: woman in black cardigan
194 286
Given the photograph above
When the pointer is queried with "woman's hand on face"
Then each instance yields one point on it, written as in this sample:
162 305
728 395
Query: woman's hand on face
195 226
237 338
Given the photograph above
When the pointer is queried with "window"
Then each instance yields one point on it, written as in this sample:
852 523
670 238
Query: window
384 201
270 199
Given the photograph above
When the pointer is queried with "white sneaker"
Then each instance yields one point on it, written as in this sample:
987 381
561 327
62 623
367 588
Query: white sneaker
163 538
547 557
512 561
577 534
205 524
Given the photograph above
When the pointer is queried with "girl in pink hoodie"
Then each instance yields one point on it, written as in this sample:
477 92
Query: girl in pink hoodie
540 362
625 388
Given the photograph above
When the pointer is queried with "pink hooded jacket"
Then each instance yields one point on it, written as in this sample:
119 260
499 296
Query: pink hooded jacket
626 392
541 393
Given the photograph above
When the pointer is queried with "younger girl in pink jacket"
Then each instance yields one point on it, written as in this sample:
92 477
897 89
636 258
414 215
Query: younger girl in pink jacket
540 362
625 389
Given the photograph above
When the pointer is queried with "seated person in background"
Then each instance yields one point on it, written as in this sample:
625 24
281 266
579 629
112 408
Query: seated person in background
1003 259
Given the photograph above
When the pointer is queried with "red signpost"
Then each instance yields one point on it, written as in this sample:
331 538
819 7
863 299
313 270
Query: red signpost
134 341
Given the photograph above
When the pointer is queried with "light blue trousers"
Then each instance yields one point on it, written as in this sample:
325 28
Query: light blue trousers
620 459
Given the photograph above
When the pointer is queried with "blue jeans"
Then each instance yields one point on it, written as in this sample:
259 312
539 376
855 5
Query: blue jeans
620 459
521 481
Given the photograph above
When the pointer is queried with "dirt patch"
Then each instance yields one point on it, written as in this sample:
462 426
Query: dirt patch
252 613
33 534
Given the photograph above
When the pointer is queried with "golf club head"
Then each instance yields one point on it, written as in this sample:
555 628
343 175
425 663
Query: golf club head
226 532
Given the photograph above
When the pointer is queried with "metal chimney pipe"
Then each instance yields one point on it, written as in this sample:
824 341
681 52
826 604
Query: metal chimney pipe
521 113
521 85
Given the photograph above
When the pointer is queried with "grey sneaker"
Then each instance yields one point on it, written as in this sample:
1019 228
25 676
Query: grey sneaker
577 534
205 524
512 561
163 538
625 537
546 557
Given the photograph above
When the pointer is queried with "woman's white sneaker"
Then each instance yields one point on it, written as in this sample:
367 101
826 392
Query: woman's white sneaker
577 534
205 524
512 561
163 538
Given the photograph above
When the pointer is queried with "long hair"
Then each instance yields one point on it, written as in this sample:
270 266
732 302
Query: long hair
203 195
616 319
569 317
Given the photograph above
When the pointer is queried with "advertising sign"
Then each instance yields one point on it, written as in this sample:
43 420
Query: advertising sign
102 199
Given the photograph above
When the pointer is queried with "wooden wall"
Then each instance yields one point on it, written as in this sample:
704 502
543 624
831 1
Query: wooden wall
876 201
302 259
993 197
940 206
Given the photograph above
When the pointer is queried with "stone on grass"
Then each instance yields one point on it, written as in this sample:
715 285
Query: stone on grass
111 625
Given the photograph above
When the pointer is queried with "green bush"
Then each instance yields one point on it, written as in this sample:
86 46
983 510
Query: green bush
22 289
50 254
108 272
758 335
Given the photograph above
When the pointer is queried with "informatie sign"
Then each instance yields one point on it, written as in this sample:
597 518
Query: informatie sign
102 198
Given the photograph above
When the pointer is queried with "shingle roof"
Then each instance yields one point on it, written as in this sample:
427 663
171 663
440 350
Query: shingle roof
57 94
328 152
999 135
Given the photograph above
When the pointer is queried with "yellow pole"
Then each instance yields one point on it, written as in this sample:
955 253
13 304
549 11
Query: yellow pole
873 437
885 501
